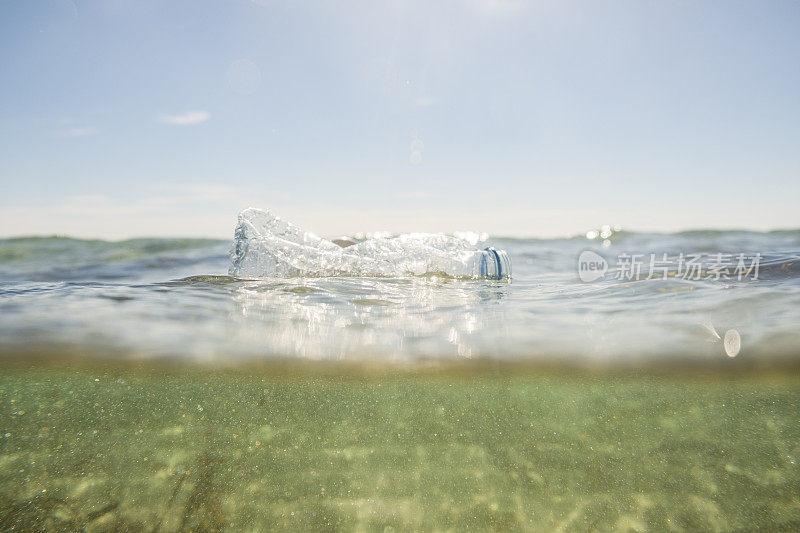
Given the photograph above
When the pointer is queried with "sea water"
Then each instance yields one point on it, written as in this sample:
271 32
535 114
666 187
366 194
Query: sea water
142 387
172 298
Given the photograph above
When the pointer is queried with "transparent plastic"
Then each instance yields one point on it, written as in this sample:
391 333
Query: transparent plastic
267 246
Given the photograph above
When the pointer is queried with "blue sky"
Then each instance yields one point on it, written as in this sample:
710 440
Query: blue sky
127 118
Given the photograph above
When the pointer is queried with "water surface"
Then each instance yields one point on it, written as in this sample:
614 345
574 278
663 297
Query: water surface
171 298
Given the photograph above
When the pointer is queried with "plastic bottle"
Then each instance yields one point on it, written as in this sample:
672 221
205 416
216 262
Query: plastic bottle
268 246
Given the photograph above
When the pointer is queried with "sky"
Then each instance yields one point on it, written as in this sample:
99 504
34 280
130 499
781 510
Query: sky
122 118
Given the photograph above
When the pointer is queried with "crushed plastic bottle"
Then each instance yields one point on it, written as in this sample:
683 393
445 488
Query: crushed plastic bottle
268 246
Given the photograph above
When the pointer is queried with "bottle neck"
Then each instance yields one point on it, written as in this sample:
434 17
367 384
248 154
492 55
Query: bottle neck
495 264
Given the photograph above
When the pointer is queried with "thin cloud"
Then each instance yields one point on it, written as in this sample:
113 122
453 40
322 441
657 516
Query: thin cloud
185 119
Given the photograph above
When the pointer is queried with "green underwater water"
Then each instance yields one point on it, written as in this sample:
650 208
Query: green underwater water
192 449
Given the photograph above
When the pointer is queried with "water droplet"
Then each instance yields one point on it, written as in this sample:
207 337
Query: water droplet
732 342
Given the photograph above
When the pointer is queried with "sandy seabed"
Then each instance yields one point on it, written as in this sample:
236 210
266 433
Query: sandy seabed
192 449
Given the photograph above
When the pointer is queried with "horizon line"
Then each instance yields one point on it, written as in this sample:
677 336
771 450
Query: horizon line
393 234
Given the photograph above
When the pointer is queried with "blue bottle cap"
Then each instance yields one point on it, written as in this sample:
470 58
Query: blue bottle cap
497 264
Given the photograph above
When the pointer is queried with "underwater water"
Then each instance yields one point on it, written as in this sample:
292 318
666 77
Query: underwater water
144 389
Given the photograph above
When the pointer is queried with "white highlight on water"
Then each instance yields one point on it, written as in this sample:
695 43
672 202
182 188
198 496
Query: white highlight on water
732 342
